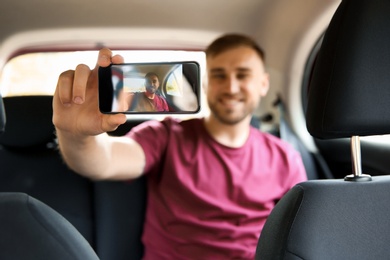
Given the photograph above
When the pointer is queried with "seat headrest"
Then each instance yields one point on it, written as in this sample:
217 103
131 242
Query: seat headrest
29 121
349 93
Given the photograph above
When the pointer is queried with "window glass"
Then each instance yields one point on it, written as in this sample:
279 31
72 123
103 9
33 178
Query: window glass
37 73
173 84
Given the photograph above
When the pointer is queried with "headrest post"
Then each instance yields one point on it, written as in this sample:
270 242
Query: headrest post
356 156
356 162
2 115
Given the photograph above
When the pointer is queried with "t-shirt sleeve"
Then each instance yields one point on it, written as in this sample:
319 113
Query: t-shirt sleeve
152 136
287 161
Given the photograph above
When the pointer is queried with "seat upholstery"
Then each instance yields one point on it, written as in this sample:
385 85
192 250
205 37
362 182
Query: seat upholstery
119 219
330 219
349 93
348 97
32 230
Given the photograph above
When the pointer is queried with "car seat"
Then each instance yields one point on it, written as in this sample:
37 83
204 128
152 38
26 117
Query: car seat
31 163
348 97
32 230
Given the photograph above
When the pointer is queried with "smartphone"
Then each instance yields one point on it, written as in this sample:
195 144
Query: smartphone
150 88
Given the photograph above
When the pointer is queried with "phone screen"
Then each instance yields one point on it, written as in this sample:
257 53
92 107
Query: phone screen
157 88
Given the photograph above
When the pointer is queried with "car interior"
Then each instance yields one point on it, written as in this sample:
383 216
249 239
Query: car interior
327 62
340 218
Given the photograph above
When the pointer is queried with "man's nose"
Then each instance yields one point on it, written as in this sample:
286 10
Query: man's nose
233 85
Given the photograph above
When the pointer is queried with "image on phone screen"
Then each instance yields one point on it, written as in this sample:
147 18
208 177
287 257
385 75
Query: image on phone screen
172 87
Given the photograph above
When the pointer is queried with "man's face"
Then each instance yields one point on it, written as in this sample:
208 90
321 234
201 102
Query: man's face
236 81
152 84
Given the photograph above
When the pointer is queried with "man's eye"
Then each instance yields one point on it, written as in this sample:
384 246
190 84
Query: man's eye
218 76
243 76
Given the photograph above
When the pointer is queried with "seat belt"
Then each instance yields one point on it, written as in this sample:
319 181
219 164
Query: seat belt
315 165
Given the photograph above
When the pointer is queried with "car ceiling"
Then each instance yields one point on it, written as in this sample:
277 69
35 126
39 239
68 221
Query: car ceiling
263 19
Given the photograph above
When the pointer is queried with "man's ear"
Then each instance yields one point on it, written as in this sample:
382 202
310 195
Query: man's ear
264 84
205 83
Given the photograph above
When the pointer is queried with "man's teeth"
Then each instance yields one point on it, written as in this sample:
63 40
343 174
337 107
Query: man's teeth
230 101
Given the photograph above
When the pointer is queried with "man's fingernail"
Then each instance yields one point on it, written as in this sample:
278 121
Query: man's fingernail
78 100
104 58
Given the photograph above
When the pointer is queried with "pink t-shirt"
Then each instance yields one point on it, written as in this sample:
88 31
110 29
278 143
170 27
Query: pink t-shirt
160 104
206 200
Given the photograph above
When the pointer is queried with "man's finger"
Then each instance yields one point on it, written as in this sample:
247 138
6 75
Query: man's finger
64 87
80 80
104 58
117 59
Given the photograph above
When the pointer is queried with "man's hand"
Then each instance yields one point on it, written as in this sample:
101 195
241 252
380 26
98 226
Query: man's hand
75 102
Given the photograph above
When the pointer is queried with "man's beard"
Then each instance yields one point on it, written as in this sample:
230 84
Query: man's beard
151 89
227 117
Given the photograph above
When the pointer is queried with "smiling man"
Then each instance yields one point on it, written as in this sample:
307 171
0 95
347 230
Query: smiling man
149 101
236 82
212 182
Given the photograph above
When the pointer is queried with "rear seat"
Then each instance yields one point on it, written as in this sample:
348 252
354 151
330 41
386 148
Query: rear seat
108 214
30 163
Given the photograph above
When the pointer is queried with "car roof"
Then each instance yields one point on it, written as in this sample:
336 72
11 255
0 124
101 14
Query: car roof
176 21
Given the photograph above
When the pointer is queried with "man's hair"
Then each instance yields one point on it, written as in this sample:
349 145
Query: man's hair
150 74
231 41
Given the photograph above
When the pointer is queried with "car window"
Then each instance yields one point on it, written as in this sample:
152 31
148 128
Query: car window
37 73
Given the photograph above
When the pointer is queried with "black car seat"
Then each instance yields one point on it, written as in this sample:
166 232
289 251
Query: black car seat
31 163
348 97
120 214
32 230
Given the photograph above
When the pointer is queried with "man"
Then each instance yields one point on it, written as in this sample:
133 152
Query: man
149 100
212 182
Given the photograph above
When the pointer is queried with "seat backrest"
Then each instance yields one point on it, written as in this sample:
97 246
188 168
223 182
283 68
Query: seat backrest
119 219
348 97
31 230
330 219
30 163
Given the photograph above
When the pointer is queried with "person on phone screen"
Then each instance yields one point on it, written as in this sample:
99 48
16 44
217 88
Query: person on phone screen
150 100
212 181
